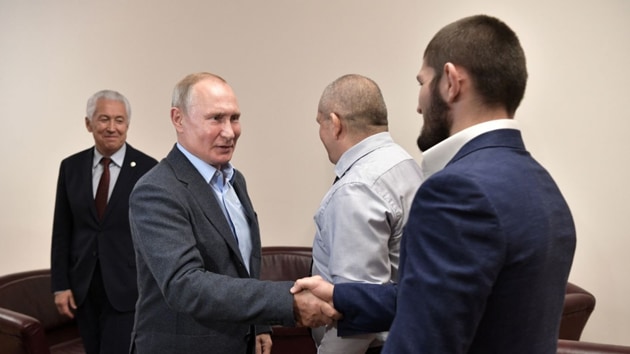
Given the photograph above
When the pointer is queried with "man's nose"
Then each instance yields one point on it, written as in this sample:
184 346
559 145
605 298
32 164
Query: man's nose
228 130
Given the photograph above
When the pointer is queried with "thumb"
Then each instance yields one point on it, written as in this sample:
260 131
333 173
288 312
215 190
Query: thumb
305 284
73 305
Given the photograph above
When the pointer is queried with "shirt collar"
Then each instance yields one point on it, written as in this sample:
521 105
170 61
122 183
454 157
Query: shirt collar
207 171
435 158
118 158
359 150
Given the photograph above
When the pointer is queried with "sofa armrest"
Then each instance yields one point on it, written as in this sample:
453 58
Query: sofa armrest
577 347
20 333
578 306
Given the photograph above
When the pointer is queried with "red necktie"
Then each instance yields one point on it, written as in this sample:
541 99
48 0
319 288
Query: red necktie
103 188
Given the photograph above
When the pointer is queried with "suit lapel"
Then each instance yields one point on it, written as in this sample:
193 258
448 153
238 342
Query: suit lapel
86 175
125 179
124 182
244 199
241 191
202 193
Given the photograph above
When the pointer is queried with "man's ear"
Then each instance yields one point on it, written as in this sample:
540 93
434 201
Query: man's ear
88 126
336 124
453 77
176 119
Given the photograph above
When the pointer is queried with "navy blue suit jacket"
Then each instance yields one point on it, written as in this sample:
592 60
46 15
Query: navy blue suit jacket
79 238
485 259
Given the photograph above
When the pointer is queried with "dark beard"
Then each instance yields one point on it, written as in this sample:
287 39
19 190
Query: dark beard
437 124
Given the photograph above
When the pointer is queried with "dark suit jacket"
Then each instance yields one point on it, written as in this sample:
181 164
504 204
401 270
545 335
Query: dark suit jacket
485 258
195 294
79 239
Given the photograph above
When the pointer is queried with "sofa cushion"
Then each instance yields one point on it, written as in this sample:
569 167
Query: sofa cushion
74 346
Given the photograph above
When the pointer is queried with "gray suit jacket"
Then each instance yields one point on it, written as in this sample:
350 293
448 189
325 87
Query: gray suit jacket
195 295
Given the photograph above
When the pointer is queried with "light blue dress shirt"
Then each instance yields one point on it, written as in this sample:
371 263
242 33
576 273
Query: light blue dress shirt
220 181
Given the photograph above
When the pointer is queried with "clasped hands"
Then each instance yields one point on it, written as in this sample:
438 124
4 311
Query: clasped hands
312 302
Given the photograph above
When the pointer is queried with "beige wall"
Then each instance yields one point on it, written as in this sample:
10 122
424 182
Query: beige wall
278 56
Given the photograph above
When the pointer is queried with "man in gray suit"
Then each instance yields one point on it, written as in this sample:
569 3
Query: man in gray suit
197 240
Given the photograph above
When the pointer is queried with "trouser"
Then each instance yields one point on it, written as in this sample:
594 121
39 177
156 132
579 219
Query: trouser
104 330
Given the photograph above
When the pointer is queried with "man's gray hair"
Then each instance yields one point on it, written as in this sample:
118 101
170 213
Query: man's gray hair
182 93
108 95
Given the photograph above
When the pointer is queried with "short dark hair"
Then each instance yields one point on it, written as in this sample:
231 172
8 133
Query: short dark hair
489 51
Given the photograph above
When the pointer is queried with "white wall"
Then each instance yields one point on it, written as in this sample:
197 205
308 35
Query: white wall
278 55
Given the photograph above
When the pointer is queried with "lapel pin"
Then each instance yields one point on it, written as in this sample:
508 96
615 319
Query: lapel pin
133 164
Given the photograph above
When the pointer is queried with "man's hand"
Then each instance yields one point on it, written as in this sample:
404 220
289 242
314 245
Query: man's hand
312 302
64 300
311 311
263 343
317 285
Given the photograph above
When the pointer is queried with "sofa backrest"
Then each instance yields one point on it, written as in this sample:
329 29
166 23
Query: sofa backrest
288 263
285 263
30 293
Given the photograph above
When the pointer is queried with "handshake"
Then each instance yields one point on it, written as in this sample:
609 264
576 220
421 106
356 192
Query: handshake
313 302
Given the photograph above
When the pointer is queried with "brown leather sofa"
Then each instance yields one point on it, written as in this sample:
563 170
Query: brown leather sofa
288 263
30 324
578 306
29 321
577 347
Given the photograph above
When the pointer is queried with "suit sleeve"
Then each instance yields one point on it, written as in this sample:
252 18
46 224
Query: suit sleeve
164 236
365 307
61 236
